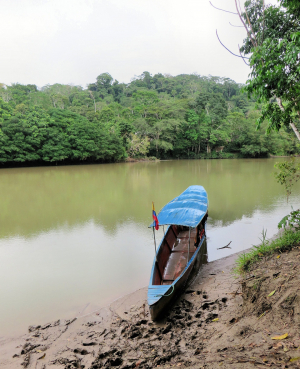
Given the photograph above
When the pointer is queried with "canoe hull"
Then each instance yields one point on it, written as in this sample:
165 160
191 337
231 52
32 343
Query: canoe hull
158 308
180 249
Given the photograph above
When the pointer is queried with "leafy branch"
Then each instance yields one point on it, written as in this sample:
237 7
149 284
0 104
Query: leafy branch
287 175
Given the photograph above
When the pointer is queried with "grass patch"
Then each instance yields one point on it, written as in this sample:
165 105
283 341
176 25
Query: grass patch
286 241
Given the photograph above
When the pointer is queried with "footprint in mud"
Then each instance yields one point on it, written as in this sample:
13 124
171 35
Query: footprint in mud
81 351
244 331
206 305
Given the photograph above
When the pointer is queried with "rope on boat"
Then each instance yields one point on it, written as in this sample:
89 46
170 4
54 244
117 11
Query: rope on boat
169 294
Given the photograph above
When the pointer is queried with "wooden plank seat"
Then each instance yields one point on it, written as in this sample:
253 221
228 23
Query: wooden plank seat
183 247
167 281
182 242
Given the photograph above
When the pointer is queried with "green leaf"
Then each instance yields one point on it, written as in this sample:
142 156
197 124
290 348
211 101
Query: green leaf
271 293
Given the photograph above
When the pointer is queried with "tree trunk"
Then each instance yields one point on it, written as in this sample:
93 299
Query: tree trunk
293 126
208 148
92 96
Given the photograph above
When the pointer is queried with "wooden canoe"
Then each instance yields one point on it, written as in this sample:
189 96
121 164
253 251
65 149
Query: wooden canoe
180 249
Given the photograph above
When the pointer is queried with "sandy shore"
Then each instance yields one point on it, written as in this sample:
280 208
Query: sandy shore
58 344
219 321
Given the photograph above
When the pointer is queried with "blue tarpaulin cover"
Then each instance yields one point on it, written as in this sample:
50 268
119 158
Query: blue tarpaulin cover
188 209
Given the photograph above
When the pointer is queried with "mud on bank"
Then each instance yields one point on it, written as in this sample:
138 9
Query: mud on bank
220 321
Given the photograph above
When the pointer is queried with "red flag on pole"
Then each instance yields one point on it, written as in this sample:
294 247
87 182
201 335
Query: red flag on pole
154 216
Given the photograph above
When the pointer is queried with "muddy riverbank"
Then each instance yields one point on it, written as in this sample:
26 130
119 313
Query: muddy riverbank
220 320
122 334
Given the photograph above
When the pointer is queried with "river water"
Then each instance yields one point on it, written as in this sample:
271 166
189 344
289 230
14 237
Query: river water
74 238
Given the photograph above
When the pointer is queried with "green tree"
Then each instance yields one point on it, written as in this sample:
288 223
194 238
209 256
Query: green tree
103 85
23 136
163 135
213 110
287 174
274 43
138 146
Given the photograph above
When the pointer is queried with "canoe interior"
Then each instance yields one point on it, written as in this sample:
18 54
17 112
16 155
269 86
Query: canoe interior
173 254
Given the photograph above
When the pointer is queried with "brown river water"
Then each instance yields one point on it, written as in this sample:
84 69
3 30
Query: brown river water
74 238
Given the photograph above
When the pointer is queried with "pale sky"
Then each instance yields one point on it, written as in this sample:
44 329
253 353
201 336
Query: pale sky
73 41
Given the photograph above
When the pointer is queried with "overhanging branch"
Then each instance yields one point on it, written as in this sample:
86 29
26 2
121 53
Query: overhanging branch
235 26
243 56
239 56
226 11
241 19
250 25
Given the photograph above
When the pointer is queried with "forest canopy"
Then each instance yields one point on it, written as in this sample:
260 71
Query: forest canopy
162 116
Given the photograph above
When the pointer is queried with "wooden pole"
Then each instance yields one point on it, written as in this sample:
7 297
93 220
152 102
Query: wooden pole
154 244
189 245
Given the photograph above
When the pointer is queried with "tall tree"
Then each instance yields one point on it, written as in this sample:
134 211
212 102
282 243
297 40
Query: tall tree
212 109
273 41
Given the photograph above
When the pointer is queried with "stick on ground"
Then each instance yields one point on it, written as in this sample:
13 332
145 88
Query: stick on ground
225 247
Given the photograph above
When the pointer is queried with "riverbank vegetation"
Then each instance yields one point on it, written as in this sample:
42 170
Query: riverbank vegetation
186 116
285 242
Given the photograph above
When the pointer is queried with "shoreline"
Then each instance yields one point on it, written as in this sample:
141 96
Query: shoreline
12 165
60 337
220 319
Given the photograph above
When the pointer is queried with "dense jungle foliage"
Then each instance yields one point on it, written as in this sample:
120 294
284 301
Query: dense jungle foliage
187 116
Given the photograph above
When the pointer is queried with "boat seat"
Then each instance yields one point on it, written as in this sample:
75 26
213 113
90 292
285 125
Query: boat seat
183 246
167 281
182 241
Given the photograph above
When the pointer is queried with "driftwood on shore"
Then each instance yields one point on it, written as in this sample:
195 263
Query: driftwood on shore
225 247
